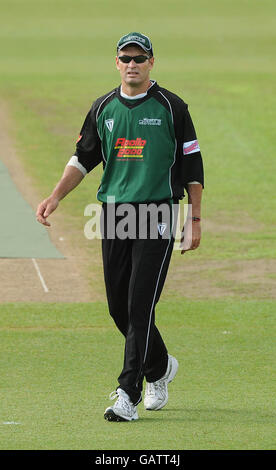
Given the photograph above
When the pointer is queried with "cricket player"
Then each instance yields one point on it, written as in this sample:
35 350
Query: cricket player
144 137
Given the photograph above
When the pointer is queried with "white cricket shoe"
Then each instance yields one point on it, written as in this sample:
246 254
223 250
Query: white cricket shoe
156 393
123 409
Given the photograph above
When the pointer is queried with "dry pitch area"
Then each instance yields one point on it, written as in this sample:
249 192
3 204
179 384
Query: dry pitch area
45 280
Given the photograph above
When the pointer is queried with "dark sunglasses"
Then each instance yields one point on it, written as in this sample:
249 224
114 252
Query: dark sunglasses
138 59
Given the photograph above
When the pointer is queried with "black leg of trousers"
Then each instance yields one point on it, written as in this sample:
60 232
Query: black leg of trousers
135 272
145 351
117 272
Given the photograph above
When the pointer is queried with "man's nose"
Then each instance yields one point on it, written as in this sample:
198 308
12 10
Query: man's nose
132 63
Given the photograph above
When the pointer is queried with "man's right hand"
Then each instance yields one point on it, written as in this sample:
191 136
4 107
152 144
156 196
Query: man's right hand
45 208
71 177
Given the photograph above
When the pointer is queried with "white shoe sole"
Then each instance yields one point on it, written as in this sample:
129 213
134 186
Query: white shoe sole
110 415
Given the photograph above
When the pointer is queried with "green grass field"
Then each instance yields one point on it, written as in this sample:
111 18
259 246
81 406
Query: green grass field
60 361
58 365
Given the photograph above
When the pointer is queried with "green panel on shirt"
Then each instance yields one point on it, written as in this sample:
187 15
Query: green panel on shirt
138 146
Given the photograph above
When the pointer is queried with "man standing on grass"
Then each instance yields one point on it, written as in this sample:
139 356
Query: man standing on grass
144 136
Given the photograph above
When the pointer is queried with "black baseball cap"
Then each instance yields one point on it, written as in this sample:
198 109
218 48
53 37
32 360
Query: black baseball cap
135 38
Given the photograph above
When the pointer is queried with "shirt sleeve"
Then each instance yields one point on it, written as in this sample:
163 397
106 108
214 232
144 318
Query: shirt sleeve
88 153
191 159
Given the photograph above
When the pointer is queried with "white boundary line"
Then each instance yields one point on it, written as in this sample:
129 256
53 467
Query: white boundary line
40 276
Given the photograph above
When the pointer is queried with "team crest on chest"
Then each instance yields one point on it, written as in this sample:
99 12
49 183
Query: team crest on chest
109 124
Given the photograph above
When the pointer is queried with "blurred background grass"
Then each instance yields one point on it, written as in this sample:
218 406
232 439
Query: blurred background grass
58 56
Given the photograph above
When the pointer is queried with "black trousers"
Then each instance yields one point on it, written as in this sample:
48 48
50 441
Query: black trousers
135 270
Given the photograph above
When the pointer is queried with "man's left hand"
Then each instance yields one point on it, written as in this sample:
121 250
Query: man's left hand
191 236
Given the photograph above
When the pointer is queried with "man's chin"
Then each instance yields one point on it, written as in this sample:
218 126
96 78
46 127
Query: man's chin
134 81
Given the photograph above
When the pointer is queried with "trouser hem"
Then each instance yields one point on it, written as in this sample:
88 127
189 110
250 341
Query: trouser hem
134 398
154 376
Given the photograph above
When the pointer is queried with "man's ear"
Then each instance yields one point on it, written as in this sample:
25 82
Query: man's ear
117 63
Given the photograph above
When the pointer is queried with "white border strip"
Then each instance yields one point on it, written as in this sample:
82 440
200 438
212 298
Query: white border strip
102 102
156 288
40 276
97 117
175 145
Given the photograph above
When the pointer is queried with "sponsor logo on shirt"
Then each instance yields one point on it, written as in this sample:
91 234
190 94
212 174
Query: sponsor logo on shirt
130 148
150 122
109 124
191 147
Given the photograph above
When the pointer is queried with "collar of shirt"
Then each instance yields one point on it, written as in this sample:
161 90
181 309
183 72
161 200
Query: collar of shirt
136 97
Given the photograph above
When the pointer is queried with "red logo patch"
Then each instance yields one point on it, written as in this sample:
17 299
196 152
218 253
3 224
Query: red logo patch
79 138
190 147
130 148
